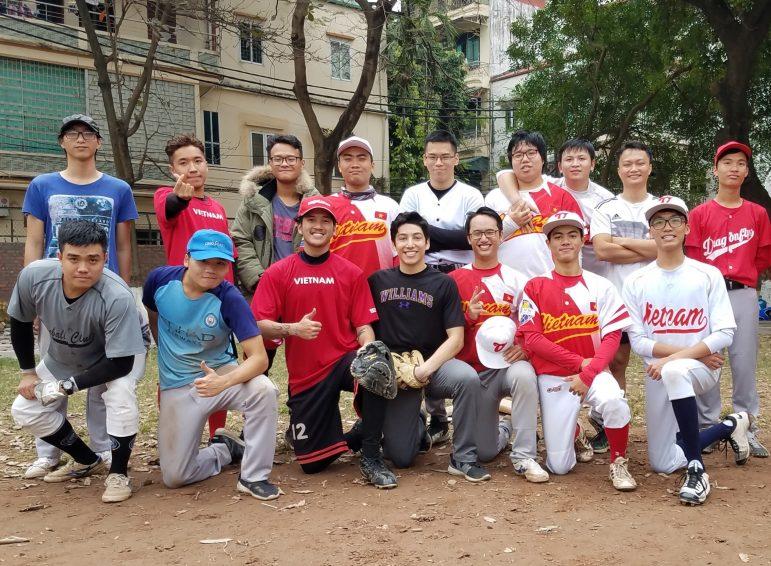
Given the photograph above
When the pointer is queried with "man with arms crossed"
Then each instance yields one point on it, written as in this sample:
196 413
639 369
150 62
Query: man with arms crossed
419 308
320 305
490 292
681 321
79 192
95 340
193 312
734 235
570 324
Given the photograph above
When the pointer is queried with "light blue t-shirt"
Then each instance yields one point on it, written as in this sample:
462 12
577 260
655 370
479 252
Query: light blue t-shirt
194 330
107 201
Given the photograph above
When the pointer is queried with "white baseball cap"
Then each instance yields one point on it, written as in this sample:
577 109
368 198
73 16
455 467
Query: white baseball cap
354 141
563 218
494 337
666 202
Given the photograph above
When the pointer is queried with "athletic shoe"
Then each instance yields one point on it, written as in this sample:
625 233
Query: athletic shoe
738 439
106 457
117 488
472 471
439 431
584 450
48 392
695 488
757 450
263 489
532 471
231 441
74 471
620 476
41 467
377 473
599 441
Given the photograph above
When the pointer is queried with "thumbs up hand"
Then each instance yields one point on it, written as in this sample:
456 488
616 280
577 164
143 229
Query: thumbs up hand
307 328
211 383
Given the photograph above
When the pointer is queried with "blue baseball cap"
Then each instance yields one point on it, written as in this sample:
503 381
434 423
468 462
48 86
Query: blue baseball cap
208 244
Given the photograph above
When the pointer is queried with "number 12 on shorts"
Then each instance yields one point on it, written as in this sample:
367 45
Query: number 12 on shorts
298 431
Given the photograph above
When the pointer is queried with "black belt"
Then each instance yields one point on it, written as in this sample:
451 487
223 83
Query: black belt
732 285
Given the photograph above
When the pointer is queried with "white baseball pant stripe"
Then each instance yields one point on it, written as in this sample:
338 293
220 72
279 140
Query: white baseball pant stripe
743 359
680 379
120 401
559 414
183 414
493 431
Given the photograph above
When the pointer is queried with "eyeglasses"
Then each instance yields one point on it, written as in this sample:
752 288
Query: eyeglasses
674 221
520 155
73 135
444 157
290 160
489 234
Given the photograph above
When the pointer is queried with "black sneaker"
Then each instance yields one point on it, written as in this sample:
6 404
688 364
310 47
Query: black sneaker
232 441
354 437
439 431
472 471
599 441
695 488
262 489
377 473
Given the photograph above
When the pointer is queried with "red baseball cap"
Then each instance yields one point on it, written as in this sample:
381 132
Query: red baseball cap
726 147
315 203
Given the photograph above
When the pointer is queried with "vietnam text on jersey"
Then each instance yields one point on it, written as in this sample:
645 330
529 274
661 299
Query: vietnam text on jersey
502 288
291 288
524 250
194 330
416 310
574 313
735 240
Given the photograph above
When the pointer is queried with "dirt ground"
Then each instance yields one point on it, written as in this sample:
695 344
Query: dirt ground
431 518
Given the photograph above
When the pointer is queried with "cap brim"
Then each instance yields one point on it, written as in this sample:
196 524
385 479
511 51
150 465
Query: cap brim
332 214
211 254
86 124
573 223
655 208
491 360
360 145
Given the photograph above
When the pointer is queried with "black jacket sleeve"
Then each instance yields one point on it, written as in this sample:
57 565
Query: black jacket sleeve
175 205
444 239
23 342
106 369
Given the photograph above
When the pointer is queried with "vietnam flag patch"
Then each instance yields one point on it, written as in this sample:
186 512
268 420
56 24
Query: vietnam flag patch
592 306
380 215
508 298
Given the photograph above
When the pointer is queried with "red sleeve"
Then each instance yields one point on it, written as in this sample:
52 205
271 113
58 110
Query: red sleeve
159 204
535 343
267 302
362 306
763 259
602 357
693 241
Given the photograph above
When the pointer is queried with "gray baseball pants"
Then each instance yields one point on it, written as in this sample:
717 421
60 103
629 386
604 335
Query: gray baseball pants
743 358
493 432
183 414
403 428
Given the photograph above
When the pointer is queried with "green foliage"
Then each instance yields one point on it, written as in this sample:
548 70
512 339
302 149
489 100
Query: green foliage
642 69
426 87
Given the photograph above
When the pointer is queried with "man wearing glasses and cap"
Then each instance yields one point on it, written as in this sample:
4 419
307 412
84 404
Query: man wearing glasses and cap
734 235
79 192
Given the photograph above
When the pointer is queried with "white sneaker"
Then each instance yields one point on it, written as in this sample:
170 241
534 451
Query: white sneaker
117 488
584 450
74 471
532 471
620 476
106 457
48 392
738 439
41 467
695 488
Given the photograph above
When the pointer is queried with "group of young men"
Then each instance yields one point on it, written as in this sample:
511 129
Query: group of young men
536 292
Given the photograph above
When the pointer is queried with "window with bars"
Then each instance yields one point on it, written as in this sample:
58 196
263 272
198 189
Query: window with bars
251 42
211 137
148 237
49 11
468 44
259 143
341 59
36 96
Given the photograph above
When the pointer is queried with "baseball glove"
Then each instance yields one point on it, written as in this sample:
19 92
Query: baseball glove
405 364
374 370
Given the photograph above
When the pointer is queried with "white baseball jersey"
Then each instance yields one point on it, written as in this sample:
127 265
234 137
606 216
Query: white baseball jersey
680 307
620 218
448 212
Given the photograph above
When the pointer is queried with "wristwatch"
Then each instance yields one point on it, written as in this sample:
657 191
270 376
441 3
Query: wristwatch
68 386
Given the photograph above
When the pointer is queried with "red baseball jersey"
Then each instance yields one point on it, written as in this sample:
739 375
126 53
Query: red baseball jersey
502 288
735 240
205 213
572 312
363 235
291 288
